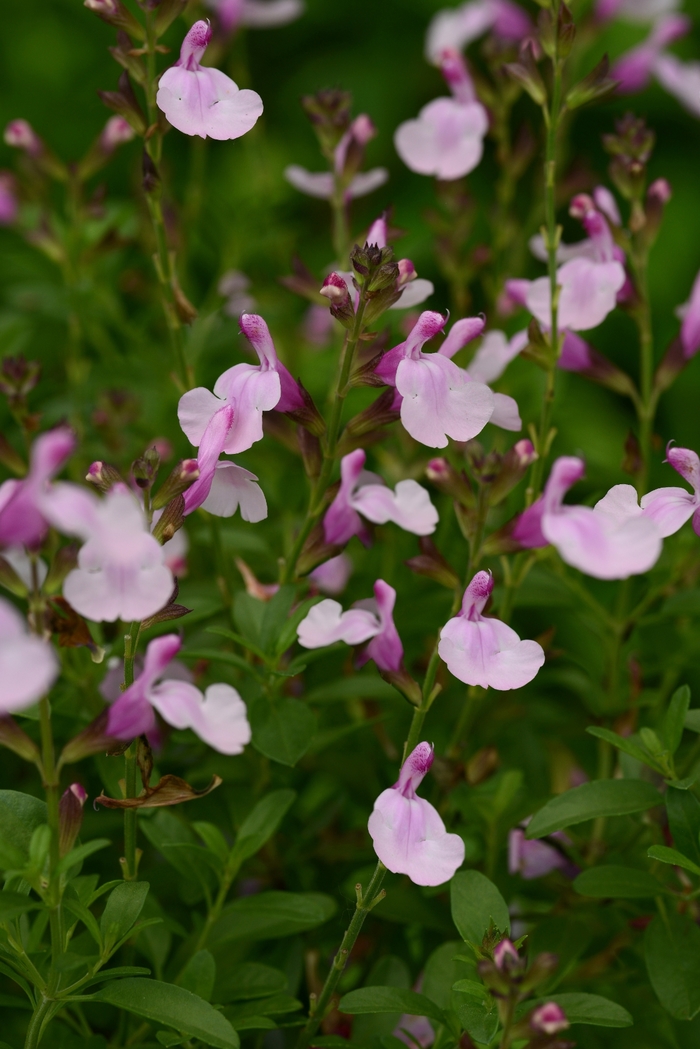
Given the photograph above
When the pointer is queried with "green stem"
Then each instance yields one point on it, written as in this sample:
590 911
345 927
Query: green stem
36 1023
646 405
50 777
507 1026
130 864
365 902
232 869
316 499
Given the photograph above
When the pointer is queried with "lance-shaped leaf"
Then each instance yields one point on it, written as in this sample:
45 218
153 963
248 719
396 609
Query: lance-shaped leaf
610 797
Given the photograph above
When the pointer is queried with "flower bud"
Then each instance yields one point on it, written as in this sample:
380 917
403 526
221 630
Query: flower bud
405 684
92 740
658 195
184 475
144 470
21 135
170 520
363 427
336 291
505 956
70 817
596 85
432 564
10 580
447 480
115 133
124 102
307 414
16 739
103 476
526 73
329 111
114 13
549 1018
514 465
407 272
18 377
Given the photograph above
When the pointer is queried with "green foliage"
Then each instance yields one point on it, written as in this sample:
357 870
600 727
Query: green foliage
672 953
592 801
164 1003
477 906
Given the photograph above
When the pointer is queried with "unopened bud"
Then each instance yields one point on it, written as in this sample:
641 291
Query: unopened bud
407 272
144 470
115 133
124 102
21 135
114 13
660 190
513 468
432 564
549 1018
70 817
92 740
580 206
103 476
505 956
445 478
16 739
335 289
405 684
184 475
526 73
170 520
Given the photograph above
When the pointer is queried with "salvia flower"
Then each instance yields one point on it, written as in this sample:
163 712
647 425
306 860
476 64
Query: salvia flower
634 10
484 651
251 390
549 1018
364 494
438 398
121 572
22 518
199 100
612 540
347 153
408 834
680 79
456 27
256 14
634 70
223 486
218 716
505 955
535 859
447 138
28 665
332 576
371 620
670 508
689 313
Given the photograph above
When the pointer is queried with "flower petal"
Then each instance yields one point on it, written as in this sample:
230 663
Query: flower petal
326 623
439 401
233 487
669 508
409 506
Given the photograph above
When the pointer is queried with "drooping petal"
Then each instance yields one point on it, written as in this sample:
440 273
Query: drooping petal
233 487
532 859
446 140
439 401
680 79
332 576
195 411
414 294
506 413
251 391
211 446
341 522
28 665
22 519
461 333
409 506
669 508
494 355
366 182
313 183
488 653
71 509
409 837
326 623
601 545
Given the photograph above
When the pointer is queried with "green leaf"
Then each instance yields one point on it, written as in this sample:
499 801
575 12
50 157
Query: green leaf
76 856
12 904
164 1003
615 882
692 720
674 719
253 980
666 855
282 728
259 826
20 815
78 910
248 615
635 750
672 954
288 634
199 975
683 811
604 797
275 614
116 974
124 904
390 1000
387 971
213 839
476 903
269 915
276 1005
478 1017
476 990
590 1009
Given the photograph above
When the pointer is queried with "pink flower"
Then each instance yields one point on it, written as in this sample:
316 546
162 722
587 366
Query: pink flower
22 519
332 576
251 389
680 79
235 287
199 100
346 158
415 289
218 717
28 665
223 486
458 26
258 14
612 540
689 313
549 1018
414 1029
634 69
364 493
531 862
21 135
439 400
505 955
371 620
115 133
606 203
447 138
9 205
484 651
495 354
634 10
120 573
670 508
408 834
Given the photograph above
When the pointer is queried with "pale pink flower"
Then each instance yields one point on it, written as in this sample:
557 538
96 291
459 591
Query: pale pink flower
456 27
115 133
447 138
370 620
218 716
536 862
670 508
484 651
235 287
250 389
505 955
549 1018
364 494
680 79
199 100
408 834
633 70
322 184
21 135
495 354
9 204
612 540
332 576
438 398
22 518
223 486
28 665
414 1029
120 573
257 14
606 203
634 10
689 313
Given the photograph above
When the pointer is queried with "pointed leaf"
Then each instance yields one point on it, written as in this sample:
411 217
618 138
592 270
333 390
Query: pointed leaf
674 719
270 915
282 728
672 953
476 904
390 1000
673 856
614 882
590 1009
683 810
165 1003
606 797
259 826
